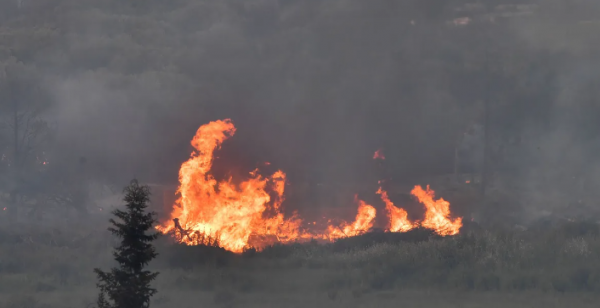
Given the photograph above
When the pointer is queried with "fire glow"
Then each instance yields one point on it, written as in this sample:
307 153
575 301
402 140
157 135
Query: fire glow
249 214
379 155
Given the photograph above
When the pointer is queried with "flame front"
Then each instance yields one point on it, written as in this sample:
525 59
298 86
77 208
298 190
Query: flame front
437 212
398 217
362 223
246 215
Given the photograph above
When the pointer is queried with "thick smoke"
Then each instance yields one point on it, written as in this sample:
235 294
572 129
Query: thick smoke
315 87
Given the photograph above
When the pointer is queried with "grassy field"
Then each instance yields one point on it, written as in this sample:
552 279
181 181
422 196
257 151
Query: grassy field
545 266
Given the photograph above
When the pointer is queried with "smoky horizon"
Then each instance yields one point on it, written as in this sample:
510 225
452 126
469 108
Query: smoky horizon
113 91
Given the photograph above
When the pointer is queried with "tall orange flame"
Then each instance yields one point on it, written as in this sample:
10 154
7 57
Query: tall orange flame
224 210
398 217
437 212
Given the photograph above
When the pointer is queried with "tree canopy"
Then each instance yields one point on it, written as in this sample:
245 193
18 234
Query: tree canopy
128 286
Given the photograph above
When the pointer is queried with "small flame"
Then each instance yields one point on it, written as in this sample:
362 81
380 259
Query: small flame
362 223
379 155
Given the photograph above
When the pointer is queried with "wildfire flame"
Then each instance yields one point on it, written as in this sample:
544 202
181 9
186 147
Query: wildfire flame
398 217
362 223
437 212
229 212
249 214
379 155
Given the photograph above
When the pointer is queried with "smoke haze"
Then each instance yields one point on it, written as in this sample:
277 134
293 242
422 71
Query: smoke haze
493 103
316 87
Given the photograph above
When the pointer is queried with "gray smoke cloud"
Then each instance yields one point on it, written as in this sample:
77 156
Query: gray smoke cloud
316 87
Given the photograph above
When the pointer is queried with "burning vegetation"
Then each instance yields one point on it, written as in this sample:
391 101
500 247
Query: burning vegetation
249 214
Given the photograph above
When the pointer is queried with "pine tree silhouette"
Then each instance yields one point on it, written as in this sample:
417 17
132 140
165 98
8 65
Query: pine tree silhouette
128 285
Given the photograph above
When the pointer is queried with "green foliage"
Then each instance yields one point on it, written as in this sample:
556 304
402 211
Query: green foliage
128 286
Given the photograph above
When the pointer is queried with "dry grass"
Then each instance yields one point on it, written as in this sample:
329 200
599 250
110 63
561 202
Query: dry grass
550 268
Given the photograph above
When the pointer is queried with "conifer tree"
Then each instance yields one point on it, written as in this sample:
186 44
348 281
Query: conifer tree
128 285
